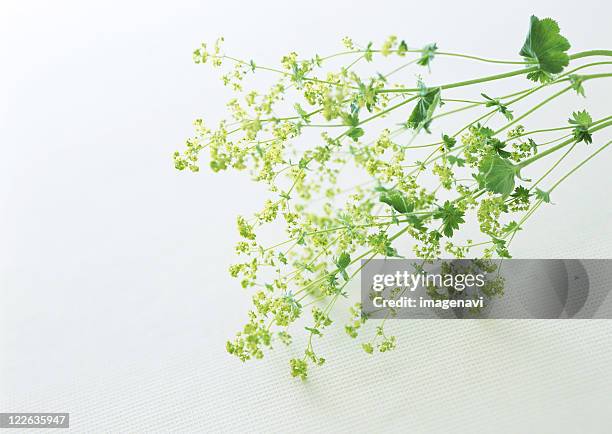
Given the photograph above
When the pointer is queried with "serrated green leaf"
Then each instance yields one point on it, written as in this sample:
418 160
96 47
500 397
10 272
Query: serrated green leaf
314 331
546 47
435 235
576 81
448 142
459 162
511 227
583 121
521 195
451 218
497 174
367 55
350 119
301 112
397 201
423 111
402 48
498 147
502 108
416 222
367 94
544 196
581 118
501 248
428 53
540 76
343 261
391 252
355 132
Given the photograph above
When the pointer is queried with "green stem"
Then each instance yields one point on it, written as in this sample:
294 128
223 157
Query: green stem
555 148
563 178
589 53
481 59
467 82
548 172
591 76
582 163
438 53
503 75
534 108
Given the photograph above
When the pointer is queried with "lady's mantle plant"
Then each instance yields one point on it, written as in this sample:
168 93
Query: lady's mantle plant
314 126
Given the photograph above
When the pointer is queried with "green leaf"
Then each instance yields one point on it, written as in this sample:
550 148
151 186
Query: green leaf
391 252
313 331
367 55
511 227
402 49
540 76
497 174
480 179
451 217
343 261
521 195
423 111
301 112
303 163
544 196
546 47
428 53
416 222
367 94
583 121
355 132
521 192
498 147
581 118
533 145
501 248
484 131
298 74
448 142
397 201
502 108
459 162
352 120
576 81
435 235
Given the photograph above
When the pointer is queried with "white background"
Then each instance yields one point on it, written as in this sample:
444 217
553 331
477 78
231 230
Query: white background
113 290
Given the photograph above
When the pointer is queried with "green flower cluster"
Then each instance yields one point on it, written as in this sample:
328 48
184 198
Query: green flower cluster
348 179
